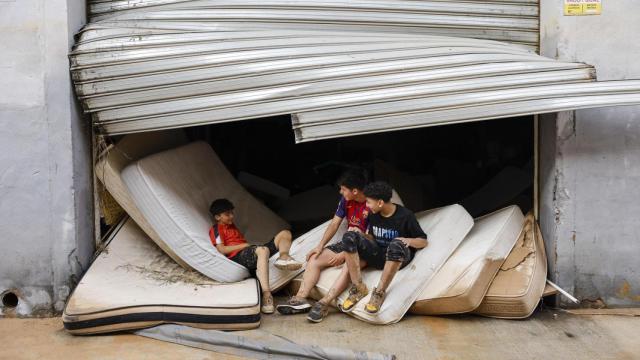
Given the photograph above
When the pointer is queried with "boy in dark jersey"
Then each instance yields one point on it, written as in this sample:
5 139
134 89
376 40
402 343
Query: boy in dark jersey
229 241
390 242
353 208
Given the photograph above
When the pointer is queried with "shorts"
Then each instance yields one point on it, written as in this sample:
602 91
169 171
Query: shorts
247 257
373 254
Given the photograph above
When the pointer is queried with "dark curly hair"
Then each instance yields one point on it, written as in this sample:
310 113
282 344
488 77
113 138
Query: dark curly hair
353 179
218 206
378 190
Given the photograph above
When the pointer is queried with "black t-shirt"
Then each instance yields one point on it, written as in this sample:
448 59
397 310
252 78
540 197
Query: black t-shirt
402 223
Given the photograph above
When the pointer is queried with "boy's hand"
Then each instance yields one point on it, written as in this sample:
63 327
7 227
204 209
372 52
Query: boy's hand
405 241
336 260
314 252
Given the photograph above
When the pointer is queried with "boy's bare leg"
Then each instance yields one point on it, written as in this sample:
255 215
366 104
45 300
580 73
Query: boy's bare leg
262 269
353 265
341 284
312 272
262 273
283 243
388 272
377 298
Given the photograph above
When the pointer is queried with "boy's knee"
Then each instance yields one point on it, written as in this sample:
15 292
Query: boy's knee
397 251
262 250
350 241
313 263
284 234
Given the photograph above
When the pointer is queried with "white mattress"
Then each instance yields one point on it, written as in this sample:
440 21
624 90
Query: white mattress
134 284
173 190
131 148
445 228
463 280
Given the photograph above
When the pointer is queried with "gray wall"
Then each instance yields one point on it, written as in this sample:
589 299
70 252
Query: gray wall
590 161
46 215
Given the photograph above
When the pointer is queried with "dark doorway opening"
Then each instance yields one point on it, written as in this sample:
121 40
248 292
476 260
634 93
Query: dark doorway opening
483 166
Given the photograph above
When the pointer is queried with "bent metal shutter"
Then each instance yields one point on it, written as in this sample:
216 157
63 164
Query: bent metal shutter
339 67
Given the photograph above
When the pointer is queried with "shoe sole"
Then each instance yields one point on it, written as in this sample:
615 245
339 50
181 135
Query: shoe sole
314 320
350 309
292 310
267 312
288 267
354 305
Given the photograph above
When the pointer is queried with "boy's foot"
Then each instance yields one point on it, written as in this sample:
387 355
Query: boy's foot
267 304
288 264
295 305
318 312
377 297
356 293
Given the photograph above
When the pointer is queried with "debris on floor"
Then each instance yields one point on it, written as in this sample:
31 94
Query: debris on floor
255 344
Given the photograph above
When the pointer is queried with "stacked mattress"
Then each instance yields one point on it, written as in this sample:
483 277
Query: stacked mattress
517 288
133 284
499 270
462 282
446 228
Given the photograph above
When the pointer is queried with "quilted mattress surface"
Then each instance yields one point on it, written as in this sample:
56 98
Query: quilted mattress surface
133 284
445 227
463 280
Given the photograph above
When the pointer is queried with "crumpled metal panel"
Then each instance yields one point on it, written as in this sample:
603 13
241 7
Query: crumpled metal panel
512 21
150 65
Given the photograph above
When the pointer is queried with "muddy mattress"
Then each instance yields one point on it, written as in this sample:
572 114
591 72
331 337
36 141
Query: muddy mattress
133 284
464 279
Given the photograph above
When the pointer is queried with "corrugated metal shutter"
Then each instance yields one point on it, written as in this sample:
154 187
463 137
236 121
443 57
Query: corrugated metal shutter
161 66
505 20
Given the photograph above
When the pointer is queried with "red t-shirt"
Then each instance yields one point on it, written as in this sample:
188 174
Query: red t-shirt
355 212
227 235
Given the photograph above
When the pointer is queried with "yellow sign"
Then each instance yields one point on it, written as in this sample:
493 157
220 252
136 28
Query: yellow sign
582 7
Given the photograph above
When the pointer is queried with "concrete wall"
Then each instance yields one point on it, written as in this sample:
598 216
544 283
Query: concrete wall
590 161
46 236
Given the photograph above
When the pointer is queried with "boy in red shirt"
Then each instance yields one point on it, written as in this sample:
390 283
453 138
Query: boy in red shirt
229 241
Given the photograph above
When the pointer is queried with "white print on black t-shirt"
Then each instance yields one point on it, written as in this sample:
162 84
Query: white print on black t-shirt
382 233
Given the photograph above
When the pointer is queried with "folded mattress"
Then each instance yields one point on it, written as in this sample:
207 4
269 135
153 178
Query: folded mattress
461 283
133 284
173 190
116 157
520 282
445 227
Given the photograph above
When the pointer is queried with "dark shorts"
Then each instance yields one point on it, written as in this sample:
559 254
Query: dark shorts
247 257
371 252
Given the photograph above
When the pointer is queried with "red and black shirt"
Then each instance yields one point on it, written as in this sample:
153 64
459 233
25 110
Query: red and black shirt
227 235
355 212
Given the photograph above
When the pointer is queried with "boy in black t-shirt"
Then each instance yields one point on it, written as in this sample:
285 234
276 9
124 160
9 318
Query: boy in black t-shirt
392 238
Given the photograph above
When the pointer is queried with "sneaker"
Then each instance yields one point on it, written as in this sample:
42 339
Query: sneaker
295 305
356 293
318 312
287 264
377 297
267 303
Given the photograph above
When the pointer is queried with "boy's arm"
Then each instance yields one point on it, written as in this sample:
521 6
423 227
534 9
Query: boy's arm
417 239
331 230
416 243
225 250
